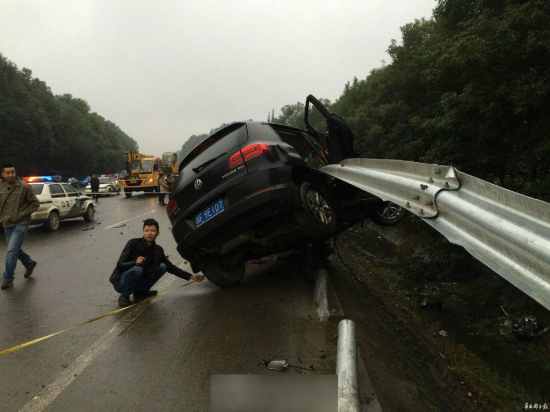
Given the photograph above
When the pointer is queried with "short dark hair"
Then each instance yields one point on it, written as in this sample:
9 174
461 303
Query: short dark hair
151 222
7 166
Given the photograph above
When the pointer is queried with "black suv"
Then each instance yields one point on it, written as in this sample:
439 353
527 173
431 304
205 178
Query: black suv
253 189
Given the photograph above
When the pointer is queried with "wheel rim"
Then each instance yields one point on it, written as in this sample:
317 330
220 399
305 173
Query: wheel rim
389 211
319 206
54 220
91 212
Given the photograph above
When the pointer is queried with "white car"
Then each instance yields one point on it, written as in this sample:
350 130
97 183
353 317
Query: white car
59 201
107 187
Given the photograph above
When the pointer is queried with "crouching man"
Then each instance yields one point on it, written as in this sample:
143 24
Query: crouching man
141 264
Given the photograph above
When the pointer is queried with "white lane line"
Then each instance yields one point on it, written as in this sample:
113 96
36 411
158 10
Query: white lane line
65 378
126 221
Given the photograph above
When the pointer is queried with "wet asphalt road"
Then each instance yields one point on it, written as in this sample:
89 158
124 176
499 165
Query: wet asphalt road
156 356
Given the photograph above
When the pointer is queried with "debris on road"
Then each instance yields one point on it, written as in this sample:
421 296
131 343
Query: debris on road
119 226
527 328
506 327
278 365
64 365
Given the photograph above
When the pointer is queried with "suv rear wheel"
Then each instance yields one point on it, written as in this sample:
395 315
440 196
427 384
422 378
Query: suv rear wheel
317 216
52 224
224 271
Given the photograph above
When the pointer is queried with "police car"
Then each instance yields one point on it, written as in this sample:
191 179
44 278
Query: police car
58 201
107 187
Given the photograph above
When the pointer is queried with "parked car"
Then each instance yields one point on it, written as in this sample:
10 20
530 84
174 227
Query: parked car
73 181
107 187
83 181
58 201
253 189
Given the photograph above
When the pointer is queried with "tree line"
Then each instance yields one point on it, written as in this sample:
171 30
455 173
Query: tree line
469 87
41 133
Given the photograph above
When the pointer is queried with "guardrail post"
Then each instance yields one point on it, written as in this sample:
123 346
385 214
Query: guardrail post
346 367
320 299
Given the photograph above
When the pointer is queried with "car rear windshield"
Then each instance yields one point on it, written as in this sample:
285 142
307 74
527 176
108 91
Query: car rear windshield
104 180
37 189
218 143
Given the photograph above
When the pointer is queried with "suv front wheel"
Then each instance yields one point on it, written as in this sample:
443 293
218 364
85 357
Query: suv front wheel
388 214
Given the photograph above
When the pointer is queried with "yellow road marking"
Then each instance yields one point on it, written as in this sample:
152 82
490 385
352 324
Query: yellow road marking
114 312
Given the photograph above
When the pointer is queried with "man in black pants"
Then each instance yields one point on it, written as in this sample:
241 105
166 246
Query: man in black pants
94 185
141 264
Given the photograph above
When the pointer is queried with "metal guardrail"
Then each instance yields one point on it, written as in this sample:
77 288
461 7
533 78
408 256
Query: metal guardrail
508 232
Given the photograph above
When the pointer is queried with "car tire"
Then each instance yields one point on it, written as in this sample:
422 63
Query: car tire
317 216
388 214
90 214
53 222
128 194
221 272
109 192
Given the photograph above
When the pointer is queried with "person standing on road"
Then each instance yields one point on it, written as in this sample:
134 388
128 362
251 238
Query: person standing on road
141 264
94 184
17 204
170 181
163 189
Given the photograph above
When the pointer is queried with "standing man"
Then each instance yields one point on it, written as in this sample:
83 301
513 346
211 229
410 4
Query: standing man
141 264
163 189
94 184
17 204
170 181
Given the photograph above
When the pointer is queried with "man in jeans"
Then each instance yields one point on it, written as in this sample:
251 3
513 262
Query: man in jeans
141 264
17 203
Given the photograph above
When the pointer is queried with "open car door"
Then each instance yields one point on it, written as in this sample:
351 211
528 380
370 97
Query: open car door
332 132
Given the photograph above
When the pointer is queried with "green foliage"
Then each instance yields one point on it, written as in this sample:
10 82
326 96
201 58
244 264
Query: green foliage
469 87
41 133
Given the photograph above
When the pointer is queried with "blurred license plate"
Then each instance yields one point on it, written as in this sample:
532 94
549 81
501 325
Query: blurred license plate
209 212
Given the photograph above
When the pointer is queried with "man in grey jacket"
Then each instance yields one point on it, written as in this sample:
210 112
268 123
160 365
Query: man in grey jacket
17 204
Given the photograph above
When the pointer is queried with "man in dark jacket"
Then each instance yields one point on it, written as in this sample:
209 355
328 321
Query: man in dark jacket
17 204
141 264
94 185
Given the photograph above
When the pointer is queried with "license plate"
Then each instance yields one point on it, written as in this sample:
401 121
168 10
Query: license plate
208 213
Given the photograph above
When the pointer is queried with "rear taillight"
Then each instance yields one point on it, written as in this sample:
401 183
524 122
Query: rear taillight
170 207
248 153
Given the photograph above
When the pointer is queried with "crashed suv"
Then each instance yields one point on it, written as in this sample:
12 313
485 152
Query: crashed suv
253 189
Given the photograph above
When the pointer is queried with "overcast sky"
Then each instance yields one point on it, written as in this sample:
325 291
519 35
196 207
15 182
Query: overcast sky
165 70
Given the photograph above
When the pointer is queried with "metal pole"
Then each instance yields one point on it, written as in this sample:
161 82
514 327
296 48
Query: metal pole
346 367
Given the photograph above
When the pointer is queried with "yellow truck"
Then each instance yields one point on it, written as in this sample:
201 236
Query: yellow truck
142 173
170 163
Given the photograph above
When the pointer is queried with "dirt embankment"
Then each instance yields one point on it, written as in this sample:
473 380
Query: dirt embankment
478 324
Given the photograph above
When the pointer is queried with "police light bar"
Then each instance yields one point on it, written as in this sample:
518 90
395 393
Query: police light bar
39 179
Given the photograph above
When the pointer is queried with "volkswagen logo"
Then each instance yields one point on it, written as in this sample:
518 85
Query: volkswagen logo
198 184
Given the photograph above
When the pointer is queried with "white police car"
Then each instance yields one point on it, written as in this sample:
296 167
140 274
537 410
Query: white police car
58 201
107 187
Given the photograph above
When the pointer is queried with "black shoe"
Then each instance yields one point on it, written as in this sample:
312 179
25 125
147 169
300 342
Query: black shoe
124 301
143 295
